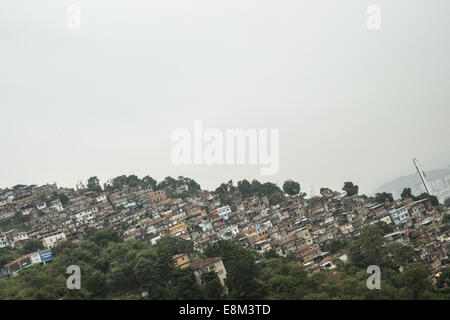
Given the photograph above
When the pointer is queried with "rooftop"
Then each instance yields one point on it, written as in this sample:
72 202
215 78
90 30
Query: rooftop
200 263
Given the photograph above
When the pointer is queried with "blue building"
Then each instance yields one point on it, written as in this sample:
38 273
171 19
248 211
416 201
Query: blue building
399 215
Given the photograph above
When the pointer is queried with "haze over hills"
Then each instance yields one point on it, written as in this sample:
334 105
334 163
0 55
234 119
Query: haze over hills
437 171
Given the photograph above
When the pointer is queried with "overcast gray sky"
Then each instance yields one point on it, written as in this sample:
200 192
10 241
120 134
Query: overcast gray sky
351 103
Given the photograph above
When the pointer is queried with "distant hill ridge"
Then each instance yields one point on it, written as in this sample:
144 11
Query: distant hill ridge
412 181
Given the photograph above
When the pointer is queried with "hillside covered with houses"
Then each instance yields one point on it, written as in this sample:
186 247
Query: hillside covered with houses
280 231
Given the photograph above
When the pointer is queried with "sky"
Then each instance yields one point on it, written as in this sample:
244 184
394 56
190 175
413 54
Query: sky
350 103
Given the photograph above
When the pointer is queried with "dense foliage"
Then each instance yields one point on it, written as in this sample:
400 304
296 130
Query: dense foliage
270 190
169 184
115 269
383 197
350 188
292 188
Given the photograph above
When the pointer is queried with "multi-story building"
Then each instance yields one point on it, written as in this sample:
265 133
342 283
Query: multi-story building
399 215
215 264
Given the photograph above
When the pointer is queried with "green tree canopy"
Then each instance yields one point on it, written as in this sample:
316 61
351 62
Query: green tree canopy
245 188
212 287
350 188
446 219
406 193
325 191
383 197
32 245
149 182
93 184
291 187
241 267
447 202
433 200
112 268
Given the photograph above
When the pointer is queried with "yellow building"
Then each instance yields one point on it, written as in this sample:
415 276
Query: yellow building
177 228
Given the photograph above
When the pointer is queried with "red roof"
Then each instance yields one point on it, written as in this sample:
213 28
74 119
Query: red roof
200 263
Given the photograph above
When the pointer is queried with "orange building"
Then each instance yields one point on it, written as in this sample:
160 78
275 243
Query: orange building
182 260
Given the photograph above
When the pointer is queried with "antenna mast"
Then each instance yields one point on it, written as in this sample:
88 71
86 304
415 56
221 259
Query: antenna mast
422 176
313 192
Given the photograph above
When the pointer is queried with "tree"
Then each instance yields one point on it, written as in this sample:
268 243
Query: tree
334 246
384 197
350 188
7 255
168 182
133 181
446 219
103 237
170 246
291 187
271 254
447 202
112 268
275 199
444 278
406 193
93 184
119 182
413 282
401 254
62 245
325 191
212 287
32 245
272 192
182 286
369 248
225 191
148 182
245 188
385 227
61 197
192 185
256 188
283 279
241 267
433 200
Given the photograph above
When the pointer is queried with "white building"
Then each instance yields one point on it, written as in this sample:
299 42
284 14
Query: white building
57 205
224 212
101 198
51 241
399 215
